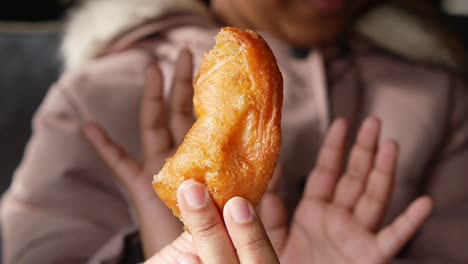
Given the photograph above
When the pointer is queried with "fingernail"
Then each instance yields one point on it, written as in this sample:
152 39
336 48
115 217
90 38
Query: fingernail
195 195
186 259
241 210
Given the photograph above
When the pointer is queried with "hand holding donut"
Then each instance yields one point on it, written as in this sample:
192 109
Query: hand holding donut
234 236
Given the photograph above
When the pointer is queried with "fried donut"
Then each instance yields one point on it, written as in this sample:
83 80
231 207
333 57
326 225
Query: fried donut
234 144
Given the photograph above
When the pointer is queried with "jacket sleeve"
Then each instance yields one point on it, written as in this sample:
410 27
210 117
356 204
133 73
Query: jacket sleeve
444 237
63 206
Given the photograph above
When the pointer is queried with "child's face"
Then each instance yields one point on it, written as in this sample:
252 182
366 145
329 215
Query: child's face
302 23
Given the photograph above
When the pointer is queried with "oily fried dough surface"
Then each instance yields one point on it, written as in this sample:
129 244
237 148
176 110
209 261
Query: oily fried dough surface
234 144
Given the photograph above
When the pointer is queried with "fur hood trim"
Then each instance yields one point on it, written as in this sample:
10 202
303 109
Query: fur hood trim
95 23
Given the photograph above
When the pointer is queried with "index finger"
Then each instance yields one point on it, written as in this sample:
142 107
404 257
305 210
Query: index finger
201 217
155 134
181 98
322 180
247 233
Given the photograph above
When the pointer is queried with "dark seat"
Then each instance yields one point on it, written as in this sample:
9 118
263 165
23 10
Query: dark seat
29 64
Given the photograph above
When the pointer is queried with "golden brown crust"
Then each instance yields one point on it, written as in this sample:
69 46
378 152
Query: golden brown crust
234 145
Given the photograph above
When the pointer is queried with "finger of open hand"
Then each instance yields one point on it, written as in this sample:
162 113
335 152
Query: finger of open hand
272 211
392 238
274 184
352 184
373 204
247 233
273 215
155 134
181 98
201 217
322 180
123 166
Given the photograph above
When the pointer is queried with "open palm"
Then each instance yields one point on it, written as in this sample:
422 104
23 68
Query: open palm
163 125
338 219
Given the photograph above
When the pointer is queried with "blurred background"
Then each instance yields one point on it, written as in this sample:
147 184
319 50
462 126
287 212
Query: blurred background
29 64
29 41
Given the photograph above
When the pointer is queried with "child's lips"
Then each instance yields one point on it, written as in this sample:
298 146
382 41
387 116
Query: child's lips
327 5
